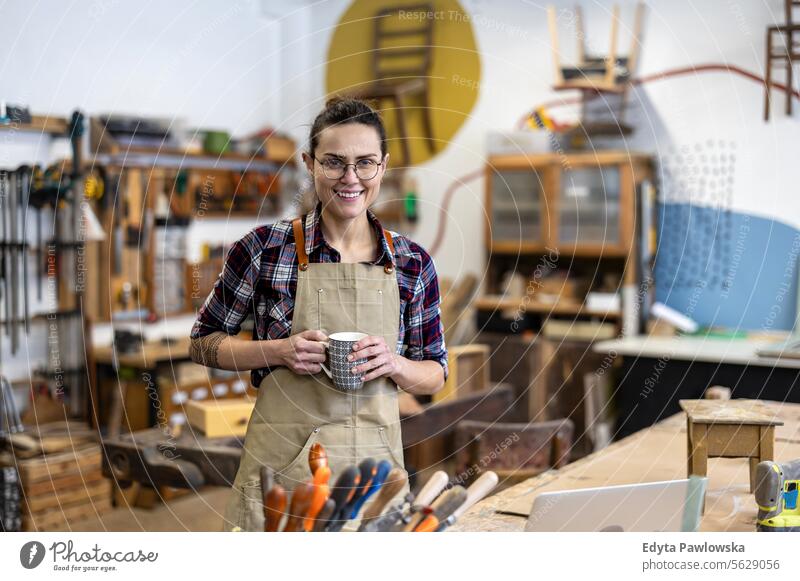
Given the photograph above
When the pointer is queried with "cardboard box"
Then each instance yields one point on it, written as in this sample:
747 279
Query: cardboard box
220 418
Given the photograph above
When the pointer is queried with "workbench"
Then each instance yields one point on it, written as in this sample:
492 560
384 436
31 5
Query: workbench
657 372
653 454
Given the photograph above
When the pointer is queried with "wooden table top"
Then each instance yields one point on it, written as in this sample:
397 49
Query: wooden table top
733 412
152 353
650 455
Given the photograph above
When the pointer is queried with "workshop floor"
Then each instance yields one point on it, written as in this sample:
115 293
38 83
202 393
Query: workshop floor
200 512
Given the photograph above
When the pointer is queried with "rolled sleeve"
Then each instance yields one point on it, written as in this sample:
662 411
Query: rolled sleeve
231 299
425 335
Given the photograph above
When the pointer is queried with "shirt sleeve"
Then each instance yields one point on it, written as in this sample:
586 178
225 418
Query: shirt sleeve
231 299
425 331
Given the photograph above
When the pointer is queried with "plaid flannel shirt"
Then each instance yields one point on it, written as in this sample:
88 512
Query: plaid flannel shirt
259 278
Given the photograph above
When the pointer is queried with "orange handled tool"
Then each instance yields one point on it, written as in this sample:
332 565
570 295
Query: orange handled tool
321 493
274 505
429 525
301 501
317 457
391 487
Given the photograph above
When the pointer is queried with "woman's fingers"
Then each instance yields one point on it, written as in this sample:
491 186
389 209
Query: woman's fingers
370 364
311 346
382 370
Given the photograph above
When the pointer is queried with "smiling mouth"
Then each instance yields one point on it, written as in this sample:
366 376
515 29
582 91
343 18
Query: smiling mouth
348 195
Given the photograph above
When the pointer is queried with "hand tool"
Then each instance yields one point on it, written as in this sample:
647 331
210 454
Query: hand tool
324 515
301 501
444 506
372 519
13 276
429 525
26 193
366 471
322 476
381 472
274 506
341 493
431 490
317 457
318 500
476 492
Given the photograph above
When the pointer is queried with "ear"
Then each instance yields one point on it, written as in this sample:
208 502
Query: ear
385 164
309 161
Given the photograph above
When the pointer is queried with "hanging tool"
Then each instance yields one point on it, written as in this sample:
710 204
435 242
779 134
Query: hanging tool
344 489
10 422
13 274
425 497
381 472
301 501
372 519
447 503
26 193
475 493
317 457
274 506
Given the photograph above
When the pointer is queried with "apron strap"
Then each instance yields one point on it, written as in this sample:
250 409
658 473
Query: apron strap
300 244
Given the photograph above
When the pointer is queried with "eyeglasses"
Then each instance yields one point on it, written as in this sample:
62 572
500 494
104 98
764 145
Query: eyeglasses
334 168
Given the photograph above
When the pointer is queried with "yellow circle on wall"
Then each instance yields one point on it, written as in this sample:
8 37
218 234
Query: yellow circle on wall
452 82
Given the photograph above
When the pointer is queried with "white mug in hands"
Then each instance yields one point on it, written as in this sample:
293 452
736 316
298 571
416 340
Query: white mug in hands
337 348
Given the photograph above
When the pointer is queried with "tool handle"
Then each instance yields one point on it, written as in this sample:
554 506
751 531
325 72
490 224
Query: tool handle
367 470
432 488
448 502
394 483
317 457
267 482
479 489
301 501
322 476
381 472
429 525
324 515
344 489
274 507
318 500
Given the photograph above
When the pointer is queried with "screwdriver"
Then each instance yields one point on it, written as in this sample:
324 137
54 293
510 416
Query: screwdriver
324 515
381 472
317 457
478 491
367 469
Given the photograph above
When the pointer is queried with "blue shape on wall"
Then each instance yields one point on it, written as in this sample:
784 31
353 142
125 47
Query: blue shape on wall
727 269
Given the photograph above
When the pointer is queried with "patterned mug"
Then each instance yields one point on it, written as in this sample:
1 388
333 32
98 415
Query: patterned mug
338 347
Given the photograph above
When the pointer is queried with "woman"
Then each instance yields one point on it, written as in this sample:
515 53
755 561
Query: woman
335 269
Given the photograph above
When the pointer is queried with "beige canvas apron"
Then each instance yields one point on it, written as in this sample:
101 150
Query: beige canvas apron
292 412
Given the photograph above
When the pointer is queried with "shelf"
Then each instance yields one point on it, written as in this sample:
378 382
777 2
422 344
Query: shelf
496 303
582 251
40 124
170 158
534 161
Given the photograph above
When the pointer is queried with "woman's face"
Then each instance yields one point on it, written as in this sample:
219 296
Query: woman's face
350 195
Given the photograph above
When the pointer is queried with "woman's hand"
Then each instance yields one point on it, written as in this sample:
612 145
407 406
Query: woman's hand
302 353
382 361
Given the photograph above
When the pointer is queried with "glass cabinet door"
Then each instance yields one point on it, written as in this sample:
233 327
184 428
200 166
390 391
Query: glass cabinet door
516 206
589 206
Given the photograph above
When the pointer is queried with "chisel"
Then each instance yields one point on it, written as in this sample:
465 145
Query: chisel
26 193
274 505
475 493
344 489
381 472
429 492
301 501
372 519
447 503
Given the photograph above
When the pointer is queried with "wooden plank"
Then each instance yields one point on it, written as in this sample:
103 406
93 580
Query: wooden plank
61 520
68 497
81 460
52 486
731 441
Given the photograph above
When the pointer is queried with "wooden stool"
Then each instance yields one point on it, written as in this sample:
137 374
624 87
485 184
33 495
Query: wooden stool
728 429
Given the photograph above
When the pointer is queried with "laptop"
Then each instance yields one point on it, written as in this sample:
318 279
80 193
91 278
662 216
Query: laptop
672 505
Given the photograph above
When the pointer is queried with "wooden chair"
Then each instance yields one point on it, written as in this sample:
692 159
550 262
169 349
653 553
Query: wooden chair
401 63
515 451
787 35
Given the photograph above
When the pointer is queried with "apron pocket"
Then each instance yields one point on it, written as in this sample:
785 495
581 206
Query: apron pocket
297 471
251 508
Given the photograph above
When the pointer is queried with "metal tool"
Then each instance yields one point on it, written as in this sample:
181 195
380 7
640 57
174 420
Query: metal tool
475 493
301 501
381 472
10 422
425 497
372 519
445 505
